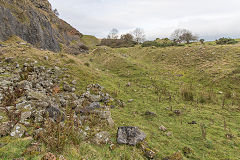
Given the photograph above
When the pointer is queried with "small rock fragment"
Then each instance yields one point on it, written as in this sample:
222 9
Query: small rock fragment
112 146
48 156
169 134
61 157
130 100
74 82
68 88
162 128
4 128
112 106
148 113
193 122
187 151
24 85
32 95
148 152
18 131
2 70
9 60
102 138
25 115
46 58
229 136
177 112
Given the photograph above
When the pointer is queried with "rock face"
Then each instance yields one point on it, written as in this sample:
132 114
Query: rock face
130 135
35 22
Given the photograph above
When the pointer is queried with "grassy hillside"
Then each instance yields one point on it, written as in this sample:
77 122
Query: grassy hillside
90 41
180 85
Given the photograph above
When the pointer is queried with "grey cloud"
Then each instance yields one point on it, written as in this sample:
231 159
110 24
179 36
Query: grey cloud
209 19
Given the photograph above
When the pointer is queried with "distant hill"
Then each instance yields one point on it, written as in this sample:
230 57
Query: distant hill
35 22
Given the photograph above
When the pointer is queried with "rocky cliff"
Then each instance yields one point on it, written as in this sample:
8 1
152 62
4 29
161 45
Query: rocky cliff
35 22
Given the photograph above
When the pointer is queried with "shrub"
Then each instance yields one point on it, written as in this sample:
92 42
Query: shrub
165 42
223 41
201 41
56 134
127 37
118 43
149 44
187 93
10 96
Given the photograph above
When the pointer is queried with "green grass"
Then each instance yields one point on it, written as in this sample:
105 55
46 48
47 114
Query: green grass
155 75
205 69
14 148
90 41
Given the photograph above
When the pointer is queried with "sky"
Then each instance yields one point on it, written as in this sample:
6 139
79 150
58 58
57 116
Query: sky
209 19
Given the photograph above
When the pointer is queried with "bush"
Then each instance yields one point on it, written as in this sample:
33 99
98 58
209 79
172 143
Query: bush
10 96
55 135
223 41
161 43
201 41
117 43
149 44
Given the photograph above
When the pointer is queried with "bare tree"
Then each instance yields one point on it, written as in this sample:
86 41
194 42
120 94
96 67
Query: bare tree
188 37
176 35
183 35
139 35
113 34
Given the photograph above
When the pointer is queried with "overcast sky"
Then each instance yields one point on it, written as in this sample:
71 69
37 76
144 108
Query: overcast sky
209 19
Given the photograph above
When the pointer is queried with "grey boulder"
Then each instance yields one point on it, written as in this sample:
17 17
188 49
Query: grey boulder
130 135
55 113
